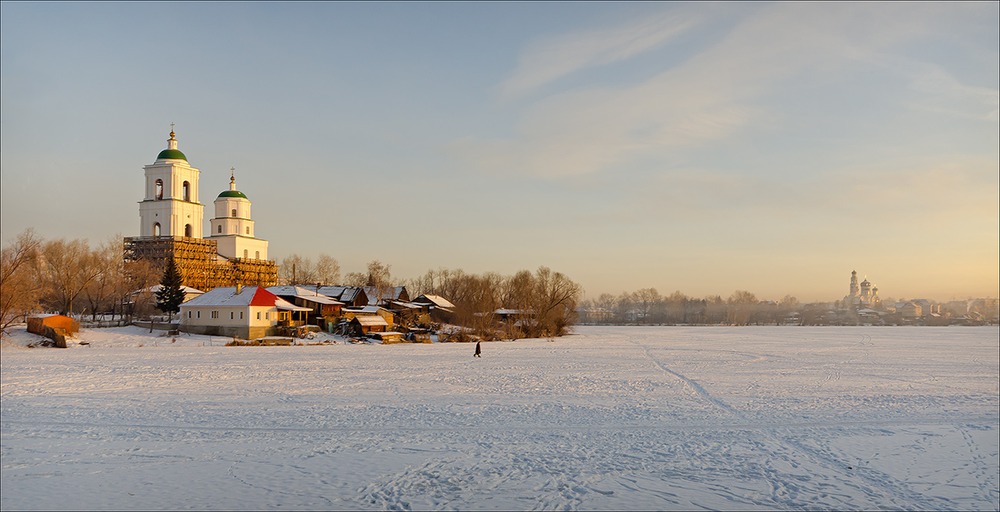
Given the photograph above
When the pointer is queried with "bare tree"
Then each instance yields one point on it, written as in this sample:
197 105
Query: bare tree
104 292
327 270
66 269
741 307
295 269
19 290
140 276
646 301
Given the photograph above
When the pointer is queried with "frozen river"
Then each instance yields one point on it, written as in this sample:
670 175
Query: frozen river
617 418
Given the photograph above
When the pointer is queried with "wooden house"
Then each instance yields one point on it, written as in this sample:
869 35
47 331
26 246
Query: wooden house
324 310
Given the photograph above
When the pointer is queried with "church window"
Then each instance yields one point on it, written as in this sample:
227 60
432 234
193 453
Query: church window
257 255
248 230
234 213
187 191
156 229
187 230
220 228
159 189
246 254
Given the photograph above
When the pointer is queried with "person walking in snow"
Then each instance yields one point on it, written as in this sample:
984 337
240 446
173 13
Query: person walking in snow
479 352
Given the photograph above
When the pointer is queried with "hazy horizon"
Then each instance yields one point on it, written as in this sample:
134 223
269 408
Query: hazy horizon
694 147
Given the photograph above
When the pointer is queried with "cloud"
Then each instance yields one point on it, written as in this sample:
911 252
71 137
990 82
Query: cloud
725 93
549 60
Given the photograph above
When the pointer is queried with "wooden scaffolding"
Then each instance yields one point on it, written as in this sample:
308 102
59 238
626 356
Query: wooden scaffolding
199 262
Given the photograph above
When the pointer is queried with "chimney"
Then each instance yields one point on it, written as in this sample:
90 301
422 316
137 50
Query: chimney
239 288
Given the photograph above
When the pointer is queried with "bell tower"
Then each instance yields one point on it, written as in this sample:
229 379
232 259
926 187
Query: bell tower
170 207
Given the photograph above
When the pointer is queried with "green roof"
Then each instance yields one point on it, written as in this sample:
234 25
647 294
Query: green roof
233 193
174 154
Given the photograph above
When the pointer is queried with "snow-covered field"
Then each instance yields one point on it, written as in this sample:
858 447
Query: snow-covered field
623 418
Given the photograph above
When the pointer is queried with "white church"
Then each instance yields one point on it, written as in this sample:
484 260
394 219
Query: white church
171 224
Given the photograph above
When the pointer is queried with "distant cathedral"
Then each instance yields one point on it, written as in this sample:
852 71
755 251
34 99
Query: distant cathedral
171 226
863 295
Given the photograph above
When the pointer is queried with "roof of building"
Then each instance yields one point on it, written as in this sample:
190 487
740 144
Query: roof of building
435 300
377 295
228 296
302 293
367 310
345 294
171 154
370 320
233 193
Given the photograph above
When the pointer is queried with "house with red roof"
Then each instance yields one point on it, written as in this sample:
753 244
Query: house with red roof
246 312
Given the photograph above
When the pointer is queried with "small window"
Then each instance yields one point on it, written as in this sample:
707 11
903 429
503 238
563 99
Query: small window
231 316
246 254
267 316
187 191
241 315
189 314
248 230
159 189
258 315
220 228
199 315
234 213
156 229
257 255
215 314
187 230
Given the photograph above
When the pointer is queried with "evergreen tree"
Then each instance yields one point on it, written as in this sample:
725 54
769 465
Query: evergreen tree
170 295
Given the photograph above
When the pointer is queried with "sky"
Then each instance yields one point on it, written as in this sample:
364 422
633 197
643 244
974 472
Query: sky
698 147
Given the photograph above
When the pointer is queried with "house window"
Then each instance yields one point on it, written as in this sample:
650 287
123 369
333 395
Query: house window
199 314
156 229
267 315
158 194
231 316
241 315
187 191
215 314
234 213
189 314
258 315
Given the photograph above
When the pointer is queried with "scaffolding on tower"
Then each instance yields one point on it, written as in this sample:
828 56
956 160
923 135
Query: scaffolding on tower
199 262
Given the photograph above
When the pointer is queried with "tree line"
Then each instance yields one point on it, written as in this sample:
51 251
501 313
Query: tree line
648 307
540 303
72 277
68 277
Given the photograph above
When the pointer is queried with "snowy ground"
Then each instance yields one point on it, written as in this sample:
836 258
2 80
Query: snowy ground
610 418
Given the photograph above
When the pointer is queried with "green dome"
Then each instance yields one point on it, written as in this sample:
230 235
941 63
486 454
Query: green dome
233 193
173 154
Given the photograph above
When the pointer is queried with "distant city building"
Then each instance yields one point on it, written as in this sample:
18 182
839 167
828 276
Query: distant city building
171 227
864 295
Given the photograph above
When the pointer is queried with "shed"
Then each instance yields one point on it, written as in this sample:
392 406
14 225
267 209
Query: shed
364 324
